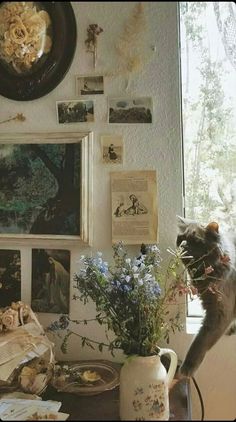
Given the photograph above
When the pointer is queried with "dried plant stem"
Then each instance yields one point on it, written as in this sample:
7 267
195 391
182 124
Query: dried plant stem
19 117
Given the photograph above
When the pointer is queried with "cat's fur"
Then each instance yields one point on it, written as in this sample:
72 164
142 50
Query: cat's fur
213 261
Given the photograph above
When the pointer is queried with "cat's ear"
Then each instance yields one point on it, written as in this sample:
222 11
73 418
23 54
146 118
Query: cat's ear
213 227
183 223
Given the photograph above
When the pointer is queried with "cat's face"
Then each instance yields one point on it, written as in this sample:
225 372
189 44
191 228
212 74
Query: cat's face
196 240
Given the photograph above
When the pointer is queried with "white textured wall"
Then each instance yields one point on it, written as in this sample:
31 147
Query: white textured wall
156 146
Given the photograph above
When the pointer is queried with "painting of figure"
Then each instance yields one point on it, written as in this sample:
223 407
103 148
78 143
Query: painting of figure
50 280
10 277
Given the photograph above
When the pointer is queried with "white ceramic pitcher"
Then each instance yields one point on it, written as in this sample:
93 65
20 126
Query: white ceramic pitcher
144 387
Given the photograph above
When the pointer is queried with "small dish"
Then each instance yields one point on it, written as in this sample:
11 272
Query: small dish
85 378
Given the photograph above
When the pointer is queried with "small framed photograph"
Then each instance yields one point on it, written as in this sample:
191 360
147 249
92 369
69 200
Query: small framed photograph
89 85
50 280
130 110
112 149
75 111
10 277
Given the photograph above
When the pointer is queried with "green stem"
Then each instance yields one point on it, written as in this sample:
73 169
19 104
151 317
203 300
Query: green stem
93 341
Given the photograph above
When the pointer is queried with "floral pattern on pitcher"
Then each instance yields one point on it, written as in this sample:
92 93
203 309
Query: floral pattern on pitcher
154 401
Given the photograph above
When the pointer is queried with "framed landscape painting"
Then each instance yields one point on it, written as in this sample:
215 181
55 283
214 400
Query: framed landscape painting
45 186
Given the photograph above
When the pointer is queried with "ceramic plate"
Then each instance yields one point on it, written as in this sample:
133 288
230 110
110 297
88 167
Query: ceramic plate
85 378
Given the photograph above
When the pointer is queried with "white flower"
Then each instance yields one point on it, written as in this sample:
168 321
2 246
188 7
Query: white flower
154 248
127 278
128 261
180 253
147 277
135 275
10 319
135 268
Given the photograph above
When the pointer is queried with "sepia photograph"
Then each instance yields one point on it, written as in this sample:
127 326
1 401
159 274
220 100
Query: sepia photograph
75 111
130 110
89 85
50 280
134 207
112 149
10 277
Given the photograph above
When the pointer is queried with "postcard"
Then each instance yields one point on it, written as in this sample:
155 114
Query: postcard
130 110
75 111
89 85
112 149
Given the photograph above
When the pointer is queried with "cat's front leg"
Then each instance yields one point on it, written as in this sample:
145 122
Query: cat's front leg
208 335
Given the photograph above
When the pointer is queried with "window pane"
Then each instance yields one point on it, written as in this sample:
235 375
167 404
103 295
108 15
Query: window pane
208 66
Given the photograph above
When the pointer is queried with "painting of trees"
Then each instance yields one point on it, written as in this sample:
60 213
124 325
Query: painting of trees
40 188
209 110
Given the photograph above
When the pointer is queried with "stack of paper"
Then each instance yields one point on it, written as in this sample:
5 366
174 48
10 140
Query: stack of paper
20 346
26 410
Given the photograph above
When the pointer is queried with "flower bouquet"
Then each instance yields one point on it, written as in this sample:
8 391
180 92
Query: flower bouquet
133 299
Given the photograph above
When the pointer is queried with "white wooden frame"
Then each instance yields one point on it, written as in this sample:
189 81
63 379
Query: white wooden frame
86 226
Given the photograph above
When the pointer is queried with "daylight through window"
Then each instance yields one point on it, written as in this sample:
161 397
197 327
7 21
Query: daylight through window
208 75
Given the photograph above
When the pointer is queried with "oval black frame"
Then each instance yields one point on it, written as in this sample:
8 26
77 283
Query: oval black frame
47 76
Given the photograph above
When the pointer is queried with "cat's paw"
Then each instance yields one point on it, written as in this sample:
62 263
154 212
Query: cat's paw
231 330
186 370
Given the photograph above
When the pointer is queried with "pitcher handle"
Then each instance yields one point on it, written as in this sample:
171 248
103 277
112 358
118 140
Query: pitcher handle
173 363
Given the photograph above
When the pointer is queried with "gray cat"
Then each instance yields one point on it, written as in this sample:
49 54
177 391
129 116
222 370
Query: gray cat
210 261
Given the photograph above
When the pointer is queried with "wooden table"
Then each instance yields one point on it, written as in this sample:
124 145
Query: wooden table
105 406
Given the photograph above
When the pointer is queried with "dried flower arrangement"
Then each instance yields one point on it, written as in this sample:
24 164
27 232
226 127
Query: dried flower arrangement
23 34
130 46
14 316
91 41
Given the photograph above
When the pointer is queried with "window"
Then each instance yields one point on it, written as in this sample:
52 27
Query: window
208 75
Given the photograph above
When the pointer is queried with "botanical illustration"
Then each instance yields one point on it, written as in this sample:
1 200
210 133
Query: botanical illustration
112 149
25 34
40 188
75 111
50 280
89 85
130 110
10 277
